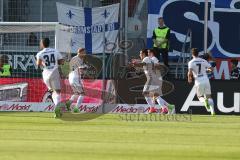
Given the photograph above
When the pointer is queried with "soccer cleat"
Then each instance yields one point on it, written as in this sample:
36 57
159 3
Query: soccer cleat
152 110
171 109
75 110
206 104
163 110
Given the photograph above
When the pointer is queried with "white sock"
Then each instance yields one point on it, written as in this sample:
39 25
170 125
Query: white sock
56 98
162 102
79 100
202 100
211 104
149 101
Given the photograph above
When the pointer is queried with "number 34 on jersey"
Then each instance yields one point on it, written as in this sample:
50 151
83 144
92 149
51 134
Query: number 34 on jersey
49 57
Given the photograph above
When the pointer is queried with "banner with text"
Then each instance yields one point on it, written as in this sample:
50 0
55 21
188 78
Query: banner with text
88 28
223 24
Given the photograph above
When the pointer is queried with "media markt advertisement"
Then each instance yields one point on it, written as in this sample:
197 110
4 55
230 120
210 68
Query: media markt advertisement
225 94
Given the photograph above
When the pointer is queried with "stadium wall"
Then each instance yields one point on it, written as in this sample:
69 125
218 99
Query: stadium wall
22 55
226 95
223 39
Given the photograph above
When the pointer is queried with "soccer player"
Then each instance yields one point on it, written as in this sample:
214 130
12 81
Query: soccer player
157 96
151 54
77 67
197 69
50 59
151 90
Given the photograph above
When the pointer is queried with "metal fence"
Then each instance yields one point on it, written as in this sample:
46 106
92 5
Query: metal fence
23 40
133 16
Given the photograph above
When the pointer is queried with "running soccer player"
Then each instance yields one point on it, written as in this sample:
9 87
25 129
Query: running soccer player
151 54
151 90
157 96
197 69
77 67
50 59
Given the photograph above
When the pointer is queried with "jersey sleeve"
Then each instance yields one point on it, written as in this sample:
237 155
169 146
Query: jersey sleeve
39 56
146 60
155 60
190 65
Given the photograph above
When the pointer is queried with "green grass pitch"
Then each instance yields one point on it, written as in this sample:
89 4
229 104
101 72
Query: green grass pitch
38 136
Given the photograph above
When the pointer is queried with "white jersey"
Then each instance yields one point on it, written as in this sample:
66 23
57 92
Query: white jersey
158 71
75 63
155 60
149 68
153 84
74 77
199 68
49 57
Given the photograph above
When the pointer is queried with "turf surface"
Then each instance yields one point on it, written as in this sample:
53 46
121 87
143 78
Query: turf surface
38 136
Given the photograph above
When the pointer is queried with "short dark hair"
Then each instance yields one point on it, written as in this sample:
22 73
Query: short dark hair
152 51
145 52
195 52
46 42
81 49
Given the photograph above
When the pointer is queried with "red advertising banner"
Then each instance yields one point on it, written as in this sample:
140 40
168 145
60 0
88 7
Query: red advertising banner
34 90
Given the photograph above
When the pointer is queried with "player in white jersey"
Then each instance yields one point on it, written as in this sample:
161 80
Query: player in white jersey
77 67
49 59
152 89
197 69
158 66
151 54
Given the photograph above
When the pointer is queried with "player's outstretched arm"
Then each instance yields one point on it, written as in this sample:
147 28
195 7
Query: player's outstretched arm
141 64
137 63
210 69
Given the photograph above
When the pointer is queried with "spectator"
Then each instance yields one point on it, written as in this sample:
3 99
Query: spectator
161 36
5 68
235 70
32 40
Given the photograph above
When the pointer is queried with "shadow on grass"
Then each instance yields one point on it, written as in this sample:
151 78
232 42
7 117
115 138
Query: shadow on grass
69 116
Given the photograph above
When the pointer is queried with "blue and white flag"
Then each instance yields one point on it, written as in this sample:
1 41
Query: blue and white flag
84 27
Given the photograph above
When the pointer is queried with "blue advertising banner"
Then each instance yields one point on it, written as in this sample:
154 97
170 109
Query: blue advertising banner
181 15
